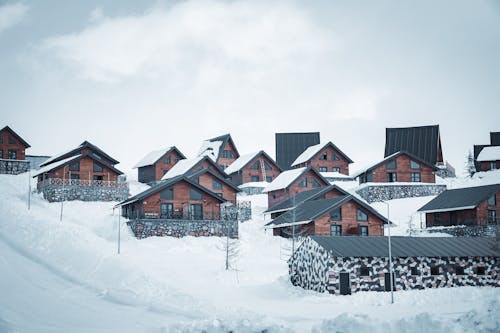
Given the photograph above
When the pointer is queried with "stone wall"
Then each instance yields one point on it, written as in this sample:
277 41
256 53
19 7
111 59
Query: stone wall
14 167
308 266
374 192
489 230
57 193
179 228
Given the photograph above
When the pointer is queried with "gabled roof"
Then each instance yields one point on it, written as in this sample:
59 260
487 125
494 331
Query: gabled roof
7 128
210 171
165 184
376 246
390 157
244 160
213 147
152 157
488 154
69 160
303 197
310 210
312 151
290 145
286 178
76 151
185 166
421 141
459 199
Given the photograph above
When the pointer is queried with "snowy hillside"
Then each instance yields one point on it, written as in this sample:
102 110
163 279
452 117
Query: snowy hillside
66 276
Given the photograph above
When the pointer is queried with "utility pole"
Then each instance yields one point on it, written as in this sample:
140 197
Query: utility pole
119 227
391 277
29 187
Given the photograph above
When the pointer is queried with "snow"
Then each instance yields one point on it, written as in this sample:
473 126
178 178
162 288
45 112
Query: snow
210 149
284 179
334 175
66 276
48 161
240 163
254 184
182 167
54 165
489 154
308 153
151 157
364 169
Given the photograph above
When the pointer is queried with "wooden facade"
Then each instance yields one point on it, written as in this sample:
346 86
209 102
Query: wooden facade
328 159
12 146
221 149
155 171
228 154
261 168
217 184
489 165
400 167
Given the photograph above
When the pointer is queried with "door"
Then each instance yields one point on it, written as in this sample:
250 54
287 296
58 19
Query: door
387 279
196 212
167 211
453 218
345 283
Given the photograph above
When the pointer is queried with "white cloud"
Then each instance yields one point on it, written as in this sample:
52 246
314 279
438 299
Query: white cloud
11 15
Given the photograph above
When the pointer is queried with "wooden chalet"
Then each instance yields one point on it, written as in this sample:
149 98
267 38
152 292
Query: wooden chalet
215 183
344 215
179 198
324 158
489 160
291 182
221 149
152 167
12 152
478 205
399 167
254 167
191 165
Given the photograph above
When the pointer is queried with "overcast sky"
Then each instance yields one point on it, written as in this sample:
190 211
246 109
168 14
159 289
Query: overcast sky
133 76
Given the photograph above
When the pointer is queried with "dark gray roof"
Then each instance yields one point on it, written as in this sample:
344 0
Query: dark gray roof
224 138
494 142
495 138
7 128
460 198
290 145
304 196
422 141
77 150
210 171
377 246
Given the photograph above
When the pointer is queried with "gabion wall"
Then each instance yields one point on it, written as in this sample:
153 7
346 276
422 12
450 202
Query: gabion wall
179 228
13 167
372 193
57 193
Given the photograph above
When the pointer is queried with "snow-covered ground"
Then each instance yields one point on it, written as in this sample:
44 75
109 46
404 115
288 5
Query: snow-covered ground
66 276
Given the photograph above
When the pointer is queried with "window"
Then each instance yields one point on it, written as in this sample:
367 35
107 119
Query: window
492 201
414 270
196 211
75 176
492 216
361 216
415 177
323 157
12 141
167 160
493 165
414 165
11 154
98 168
75 166
254 178
166 210
97 156
303 182
363 230
459 270
391 165
216 185
1 139
194 195
227 154
267 166
434 270
269 179
167 194
315 183
392 177
336 214
480 270
336 230
1 153
336 169
364 271
335 157
255 166
98 178
323 169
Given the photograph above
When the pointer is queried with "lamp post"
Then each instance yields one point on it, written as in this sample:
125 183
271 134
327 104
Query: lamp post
119 227
62 201
391 277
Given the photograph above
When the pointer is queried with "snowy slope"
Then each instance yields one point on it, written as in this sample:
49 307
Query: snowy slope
65 276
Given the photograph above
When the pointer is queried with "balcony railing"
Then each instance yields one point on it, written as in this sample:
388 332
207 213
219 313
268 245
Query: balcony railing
81 182
135 215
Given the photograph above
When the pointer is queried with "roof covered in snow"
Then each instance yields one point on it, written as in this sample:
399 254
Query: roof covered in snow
241 162
182 167
154 156
284 179
489 154
311 151
55 165
460 198
213 147
401 246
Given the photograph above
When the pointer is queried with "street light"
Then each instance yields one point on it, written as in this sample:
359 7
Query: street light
390 253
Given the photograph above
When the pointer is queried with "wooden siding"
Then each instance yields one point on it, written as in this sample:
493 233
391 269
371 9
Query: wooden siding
316 162
245 174
5 146
206 180
225 162
86 171
403 171
486 166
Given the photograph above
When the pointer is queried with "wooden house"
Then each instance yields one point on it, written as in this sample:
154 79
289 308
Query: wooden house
12 152
152 167
221 149
345 265
324 158
254 167
291 182
399 167
344 215
191 165
478 205
215 183
489 160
